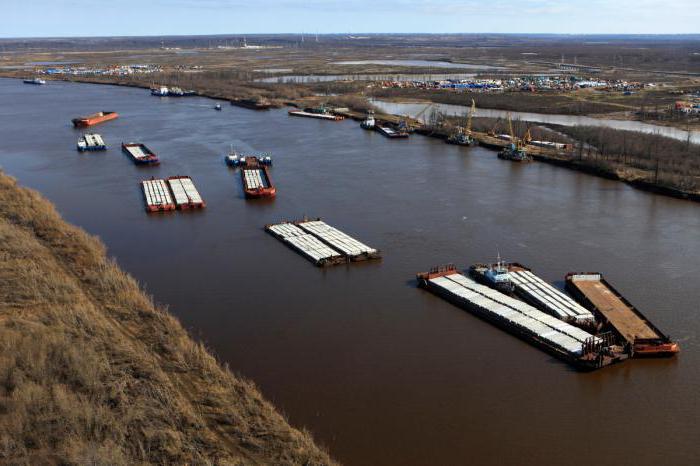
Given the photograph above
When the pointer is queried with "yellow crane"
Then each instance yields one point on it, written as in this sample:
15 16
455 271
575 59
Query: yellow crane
472 112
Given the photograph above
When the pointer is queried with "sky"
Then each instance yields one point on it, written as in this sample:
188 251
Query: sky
70 18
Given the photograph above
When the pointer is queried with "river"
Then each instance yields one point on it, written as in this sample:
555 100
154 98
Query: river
414 108
382 373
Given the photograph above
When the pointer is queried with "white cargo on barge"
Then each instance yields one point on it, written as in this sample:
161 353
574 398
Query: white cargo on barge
307 245
344 243
513 314
545 297
91 142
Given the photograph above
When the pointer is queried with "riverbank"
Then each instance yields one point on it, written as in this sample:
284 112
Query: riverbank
94 372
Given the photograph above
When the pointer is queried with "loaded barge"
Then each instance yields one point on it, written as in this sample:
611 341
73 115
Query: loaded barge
321 243
91 142
571 344
185 193
517 280
256 178
641 337
140 154
320 113
95 118
157 196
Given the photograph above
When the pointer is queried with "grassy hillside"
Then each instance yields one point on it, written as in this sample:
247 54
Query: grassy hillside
91 372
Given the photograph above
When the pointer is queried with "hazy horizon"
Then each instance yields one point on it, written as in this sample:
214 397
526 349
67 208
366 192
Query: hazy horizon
132 18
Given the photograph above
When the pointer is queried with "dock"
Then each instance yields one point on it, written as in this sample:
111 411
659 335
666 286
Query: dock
642 338
185 193
321 243
535 291
157 196
561 339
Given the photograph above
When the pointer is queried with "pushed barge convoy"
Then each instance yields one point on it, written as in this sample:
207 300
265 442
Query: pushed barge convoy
95 118
561 339
140 154
641 337
517 280
321 243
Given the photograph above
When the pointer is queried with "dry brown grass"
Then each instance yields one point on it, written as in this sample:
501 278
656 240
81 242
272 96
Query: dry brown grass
91 372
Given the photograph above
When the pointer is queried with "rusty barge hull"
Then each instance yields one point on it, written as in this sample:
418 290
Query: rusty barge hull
643 338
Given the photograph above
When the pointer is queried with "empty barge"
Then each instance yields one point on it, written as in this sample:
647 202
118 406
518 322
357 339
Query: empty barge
185 193
517 280
321 243
140 154
95 118
561 339
641 337
391 132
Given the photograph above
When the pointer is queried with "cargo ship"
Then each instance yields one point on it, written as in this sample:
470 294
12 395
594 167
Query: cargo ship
640 336
157 196
253 104
321 113
568 343
140 154
256 179
525 285
91 142
37 81
94 119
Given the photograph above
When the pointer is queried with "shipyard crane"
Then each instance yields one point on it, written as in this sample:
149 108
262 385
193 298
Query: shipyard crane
513 139
472 112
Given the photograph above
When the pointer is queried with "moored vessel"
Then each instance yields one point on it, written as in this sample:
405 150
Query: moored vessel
37 81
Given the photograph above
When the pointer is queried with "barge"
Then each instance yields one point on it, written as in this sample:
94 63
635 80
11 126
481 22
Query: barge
641 337
185 193
568 343
391 132
91 142
140 154
95 118
157 196
305 244
252 104
311 113
256 181
527 286
321 243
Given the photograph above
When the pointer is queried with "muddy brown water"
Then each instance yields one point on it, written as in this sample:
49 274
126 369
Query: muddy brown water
382 373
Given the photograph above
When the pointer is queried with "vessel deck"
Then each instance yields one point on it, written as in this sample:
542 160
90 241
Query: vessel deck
620 315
